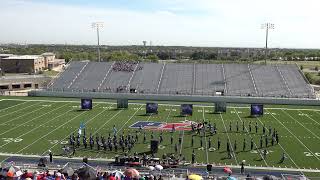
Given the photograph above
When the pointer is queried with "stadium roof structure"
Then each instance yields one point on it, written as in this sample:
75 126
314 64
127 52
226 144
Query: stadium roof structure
23 57
241 80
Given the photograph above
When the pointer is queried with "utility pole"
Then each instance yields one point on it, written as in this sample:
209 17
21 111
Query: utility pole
267 26
97 26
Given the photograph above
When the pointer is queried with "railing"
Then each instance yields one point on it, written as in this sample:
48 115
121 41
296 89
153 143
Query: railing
176 92
160 79
253 81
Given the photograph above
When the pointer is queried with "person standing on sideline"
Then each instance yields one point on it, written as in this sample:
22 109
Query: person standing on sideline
242 167
193 158
50 156
283 157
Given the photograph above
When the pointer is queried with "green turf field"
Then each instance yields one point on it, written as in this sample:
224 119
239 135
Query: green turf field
33 126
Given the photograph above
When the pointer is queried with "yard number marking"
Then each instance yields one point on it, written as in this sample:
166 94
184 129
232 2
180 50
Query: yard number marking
303 114
270 113
309 154
160 146
46 105
235 112
256 152
9 140
106 107
57 141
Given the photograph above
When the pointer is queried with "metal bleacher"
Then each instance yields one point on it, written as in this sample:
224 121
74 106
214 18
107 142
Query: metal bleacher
186 79
268 81
66 78
238 80
147 79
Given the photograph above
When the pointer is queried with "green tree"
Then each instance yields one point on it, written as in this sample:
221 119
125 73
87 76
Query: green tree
152 58
123 56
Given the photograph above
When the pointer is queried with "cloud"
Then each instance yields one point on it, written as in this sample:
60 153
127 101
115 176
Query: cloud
174 22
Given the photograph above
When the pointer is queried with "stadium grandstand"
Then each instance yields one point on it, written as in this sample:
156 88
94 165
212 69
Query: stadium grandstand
283 81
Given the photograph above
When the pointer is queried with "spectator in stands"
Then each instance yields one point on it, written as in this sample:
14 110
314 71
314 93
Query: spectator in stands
74 176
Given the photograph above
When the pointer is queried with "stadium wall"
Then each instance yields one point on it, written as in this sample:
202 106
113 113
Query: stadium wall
181 98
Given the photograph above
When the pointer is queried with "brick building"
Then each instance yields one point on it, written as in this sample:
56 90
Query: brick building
23 64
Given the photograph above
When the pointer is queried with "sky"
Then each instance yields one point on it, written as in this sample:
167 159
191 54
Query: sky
214 23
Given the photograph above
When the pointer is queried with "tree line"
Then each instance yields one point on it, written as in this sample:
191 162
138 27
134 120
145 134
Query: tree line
155 53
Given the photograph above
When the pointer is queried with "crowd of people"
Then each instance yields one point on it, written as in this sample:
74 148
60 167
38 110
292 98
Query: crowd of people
60 175
126 66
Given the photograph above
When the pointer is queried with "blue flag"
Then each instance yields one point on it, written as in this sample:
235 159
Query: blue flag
115 130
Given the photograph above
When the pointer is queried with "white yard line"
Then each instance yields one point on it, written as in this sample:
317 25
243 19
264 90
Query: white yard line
45 100
168 115
301 124
23 115
12 106
32 130
131 118
281 147
20 109
50 132
205 137
96 131
229 139
295 136
25 122
260 153
312 118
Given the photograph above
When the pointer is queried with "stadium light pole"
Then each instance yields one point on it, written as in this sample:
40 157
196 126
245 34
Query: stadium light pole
267 26
97 26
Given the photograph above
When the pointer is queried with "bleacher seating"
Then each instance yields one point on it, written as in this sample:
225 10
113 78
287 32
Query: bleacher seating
268 81
185 79
238 79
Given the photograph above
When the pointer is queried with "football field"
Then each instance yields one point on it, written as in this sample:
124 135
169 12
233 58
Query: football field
35 126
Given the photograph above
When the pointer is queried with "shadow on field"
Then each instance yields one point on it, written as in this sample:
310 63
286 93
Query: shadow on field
179 116
118 109
144 115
